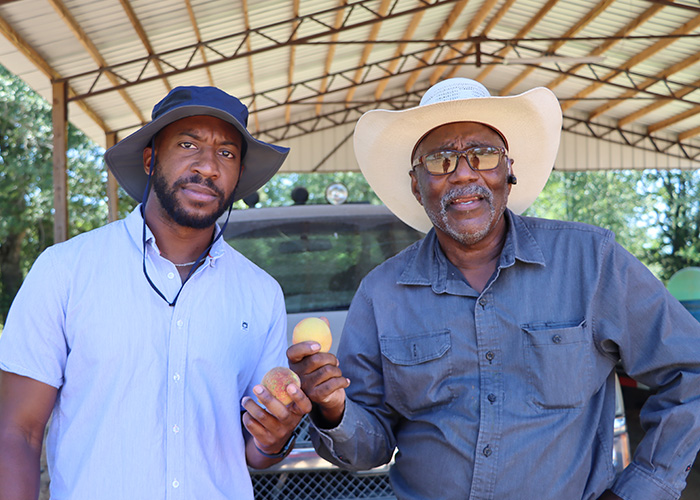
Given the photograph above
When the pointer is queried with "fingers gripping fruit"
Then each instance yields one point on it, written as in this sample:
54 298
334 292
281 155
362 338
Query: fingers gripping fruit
277 380
315 329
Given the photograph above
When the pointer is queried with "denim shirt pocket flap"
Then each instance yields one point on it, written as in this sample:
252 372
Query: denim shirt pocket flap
558 360
416 349
544 334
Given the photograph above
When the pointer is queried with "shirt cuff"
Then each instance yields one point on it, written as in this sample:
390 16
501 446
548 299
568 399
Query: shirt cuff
635 483
341 433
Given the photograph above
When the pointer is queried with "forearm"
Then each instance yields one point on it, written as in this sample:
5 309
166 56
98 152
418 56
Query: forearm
19 468
359 442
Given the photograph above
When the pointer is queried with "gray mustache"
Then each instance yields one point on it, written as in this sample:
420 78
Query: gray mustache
473 190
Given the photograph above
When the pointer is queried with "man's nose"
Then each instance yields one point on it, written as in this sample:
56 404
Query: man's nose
463 172
206 162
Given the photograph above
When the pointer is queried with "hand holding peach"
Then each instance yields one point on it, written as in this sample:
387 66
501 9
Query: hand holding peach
276 381
314 329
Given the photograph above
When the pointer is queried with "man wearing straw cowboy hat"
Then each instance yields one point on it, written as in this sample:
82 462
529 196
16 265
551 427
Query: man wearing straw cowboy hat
146 339
484 354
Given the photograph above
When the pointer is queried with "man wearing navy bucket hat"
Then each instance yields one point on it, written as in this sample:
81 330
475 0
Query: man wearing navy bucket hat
145 340
482 358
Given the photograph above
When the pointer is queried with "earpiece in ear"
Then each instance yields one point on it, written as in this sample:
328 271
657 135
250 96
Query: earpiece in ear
512 179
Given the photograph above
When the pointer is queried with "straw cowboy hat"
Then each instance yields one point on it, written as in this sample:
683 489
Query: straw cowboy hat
530 124
261 160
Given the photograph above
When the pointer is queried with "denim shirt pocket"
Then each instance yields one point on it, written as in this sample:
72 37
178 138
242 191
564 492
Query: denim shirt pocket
418 370
558 361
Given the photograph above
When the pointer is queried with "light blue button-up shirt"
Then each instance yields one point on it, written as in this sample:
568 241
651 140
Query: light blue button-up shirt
149 395
509 394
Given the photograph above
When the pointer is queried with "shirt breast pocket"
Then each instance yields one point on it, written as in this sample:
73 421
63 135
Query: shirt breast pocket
418 370
558 363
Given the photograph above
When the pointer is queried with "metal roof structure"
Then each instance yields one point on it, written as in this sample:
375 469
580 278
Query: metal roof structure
627 72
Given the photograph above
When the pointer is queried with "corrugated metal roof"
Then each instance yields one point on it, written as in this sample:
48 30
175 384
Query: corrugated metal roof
315 71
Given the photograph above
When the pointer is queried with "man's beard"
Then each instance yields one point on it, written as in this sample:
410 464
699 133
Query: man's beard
440 219
172 206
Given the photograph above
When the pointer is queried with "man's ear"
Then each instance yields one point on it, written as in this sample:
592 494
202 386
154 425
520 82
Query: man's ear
414 186
147 152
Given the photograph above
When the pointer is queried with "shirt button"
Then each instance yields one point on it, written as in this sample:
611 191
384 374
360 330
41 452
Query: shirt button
490 355
180 323
176 429
556 339
176 377
491 397
487 451
483 301
176 483
171 276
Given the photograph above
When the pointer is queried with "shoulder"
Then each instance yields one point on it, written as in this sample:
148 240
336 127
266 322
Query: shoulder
245 270
552 229
86 248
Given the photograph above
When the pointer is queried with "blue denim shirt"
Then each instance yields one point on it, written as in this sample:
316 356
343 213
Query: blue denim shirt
509 393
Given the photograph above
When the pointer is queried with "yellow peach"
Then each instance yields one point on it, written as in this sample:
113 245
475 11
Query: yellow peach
315 329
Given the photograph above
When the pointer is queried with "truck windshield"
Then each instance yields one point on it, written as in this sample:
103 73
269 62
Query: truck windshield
319 262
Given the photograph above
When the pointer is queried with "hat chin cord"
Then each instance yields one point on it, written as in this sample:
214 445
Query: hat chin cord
201 257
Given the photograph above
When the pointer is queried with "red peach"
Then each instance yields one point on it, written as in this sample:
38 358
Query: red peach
277 380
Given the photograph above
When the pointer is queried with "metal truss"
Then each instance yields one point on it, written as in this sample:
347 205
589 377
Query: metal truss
579 126
627 137
266 37
307 91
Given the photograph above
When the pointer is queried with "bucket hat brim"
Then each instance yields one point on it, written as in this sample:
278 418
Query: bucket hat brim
384 141
125 159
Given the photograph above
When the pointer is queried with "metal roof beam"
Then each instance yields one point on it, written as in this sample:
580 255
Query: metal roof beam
523 31
441 33
267 43
383 70
30 53
144 38
587 128
292 54
474 23
636 59
663 75
367 50
571 32
619 35
82 37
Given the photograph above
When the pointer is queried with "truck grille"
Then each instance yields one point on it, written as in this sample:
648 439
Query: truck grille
328 484
323 485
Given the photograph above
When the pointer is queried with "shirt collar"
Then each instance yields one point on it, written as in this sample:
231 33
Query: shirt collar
429 266
134 226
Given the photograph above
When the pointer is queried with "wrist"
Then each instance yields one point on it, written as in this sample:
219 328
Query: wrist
327 418
286 448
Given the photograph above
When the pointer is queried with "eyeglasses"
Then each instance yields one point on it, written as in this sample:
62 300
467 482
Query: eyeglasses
445 162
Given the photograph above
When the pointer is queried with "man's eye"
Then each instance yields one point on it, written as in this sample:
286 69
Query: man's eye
229 154
187 145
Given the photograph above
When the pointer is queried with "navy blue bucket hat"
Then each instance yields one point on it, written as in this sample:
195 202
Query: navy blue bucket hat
261 160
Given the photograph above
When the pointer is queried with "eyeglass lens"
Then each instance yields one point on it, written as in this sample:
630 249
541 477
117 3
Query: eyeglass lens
445 162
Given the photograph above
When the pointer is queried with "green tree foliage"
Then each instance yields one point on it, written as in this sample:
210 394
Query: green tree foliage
26 183
614 200
655 214
675 219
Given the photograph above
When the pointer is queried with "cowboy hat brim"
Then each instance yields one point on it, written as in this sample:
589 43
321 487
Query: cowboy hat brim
125 159
530 122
